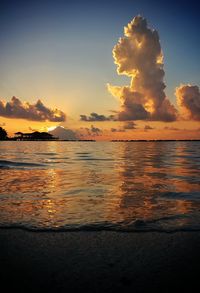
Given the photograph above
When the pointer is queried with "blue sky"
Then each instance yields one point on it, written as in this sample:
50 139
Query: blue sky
61 51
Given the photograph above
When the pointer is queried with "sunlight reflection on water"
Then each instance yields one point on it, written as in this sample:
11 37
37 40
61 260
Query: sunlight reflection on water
100 185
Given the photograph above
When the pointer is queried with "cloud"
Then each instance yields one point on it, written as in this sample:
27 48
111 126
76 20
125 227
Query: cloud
172 128
117 130
138 55
96 117
95 130
35 112
148 127
3 124
188 100
85 129
32 129
129 125
131 108
92 131
64 133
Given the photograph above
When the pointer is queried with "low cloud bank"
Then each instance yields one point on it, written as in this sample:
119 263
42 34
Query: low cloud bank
35 112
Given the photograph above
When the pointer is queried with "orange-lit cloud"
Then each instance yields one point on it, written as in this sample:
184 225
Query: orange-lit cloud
96 117
129 125
188 100
117 129
64 133
148 127
35 112
138 55
95 130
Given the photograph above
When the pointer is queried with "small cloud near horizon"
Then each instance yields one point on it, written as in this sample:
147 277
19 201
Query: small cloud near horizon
129 125
92 131
148 127
95 130
96 117
171 128
117 130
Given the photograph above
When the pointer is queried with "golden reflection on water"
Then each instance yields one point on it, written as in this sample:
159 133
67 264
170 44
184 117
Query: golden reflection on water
101 182
143 180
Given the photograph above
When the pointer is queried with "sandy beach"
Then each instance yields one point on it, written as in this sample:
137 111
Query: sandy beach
98 261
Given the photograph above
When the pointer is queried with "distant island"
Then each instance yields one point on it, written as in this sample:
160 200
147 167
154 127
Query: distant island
34 136
46 136
151 140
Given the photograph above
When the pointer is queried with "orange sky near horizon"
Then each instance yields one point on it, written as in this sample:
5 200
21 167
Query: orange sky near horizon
159 130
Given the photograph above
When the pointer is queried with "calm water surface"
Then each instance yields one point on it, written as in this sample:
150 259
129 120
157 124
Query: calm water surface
126 186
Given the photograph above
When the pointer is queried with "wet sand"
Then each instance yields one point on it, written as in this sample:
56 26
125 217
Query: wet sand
99 261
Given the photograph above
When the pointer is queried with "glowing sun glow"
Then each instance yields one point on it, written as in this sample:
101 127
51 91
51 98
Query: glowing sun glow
52 127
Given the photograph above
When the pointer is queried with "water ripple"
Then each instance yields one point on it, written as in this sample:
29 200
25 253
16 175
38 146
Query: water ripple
146 186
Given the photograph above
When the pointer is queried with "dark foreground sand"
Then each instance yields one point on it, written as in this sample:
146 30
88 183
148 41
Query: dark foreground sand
99 261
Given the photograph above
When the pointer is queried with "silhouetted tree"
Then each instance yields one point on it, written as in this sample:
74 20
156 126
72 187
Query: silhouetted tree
34 136
3 134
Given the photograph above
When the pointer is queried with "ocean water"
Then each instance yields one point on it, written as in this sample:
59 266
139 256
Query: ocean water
122 186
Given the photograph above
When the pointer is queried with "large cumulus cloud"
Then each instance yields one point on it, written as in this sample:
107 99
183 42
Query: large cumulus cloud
138 55
35 112
188 100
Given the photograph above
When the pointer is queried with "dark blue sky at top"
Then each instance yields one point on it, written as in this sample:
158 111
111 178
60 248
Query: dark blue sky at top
95 24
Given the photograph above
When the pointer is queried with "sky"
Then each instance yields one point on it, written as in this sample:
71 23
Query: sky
57 61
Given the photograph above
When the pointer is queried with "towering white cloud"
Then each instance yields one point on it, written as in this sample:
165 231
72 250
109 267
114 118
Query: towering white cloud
138 55
188 100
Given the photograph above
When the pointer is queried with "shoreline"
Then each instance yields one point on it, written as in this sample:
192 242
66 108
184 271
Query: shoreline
113 140
99 261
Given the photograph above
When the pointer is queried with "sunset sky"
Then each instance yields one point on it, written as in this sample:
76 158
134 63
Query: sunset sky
67 55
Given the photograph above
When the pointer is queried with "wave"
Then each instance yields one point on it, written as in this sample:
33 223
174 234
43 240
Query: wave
187 196
138 225
87 158
4 164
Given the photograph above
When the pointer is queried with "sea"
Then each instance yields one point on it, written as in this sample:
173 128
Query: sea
116 186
